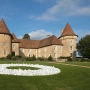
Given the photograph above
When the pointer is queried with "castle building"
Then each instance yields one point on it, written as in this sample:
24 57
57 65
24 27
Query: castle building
64 46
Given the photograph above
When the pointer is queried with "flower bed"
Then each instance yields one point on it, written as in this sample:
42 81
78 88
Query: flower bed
44 70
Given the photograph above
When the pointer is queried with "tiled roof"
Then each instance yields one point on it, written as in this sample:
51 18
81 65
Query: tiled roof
25 43
33 44
68 31
3 27
53 40
14 39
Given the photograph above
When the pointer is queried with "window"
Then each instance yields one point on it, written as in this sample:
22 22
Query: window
54 55
71 54
4 44
4 34
13 46
45 49
54 47
71 41
4 52
39 50
22 50
61 48
29 55
28 50
70 47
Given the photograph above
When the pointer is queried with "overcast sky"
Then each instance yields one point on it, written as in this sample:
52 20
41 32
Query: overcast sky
40 18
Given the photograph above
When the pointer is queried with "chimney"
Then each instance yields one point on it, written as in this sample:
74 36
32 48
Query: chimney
48 36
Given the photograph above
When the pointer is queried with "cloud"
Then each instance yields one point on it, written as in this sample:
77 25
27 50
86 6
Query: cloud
39 34
65 8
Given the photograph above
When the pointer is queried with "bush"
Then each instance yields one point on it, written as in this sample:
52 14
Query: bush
69 59
40 58
2 58
9 57
33 57
19 56
28 58
50 58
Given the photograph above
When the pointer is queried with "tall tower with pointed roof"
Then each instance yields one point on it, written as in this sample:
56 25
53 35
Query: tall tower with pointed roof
68 38
5 39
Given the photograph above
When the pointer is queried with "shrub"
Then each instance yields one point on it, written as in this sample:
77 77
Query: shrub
28 58
2 58
33 57
69 59
9 57
50 58
19 56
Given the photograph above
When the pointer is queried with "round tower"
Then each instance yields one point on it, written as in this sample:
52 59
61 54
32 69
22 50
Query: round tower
68 38
5 40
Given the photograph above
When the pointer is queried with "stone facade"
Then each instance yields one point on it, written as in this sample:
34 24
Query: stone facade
65 45
15 48
5 45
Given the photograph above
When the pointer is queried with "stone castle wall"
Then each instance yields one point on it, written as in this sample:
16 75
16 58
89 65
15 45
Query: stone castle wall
5 45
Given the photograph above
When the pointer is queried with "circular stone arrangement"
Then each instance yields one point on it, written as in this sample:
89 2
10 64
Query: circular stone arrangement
44 70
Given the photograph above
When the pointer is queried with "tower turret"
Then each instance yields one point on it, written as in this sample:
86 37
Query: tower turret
5 39
68 38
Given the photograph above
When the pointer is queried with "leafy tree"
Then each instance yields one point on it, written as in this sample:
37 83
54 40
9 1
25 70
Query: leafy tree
26 36
83 46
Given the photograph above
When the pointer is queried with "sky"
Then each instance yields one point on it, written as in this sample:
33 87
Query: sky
40 18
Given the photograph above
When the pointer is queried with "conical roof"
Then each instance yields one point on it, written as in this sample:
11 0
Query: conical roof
13 35
3 27
68 31
14 39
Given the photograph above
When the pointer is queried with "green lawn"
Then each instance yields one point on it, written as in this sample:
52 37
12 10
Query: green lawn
79 63
70 78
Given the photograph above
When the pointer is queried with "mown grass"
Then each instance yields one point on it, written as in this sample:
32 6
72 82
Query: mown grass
22 67
79 63
70 78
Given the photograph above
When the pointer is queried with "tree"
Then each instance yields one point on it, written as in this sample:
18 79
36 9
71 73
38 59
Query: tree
26 36
83 46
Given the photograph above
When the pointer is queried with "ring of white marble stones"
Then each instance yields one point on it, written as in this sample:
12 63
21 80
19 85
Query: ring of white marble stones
43 70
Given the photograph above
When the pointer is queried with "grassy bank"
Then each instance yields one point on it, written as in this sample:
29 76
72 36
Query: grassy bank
70 78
